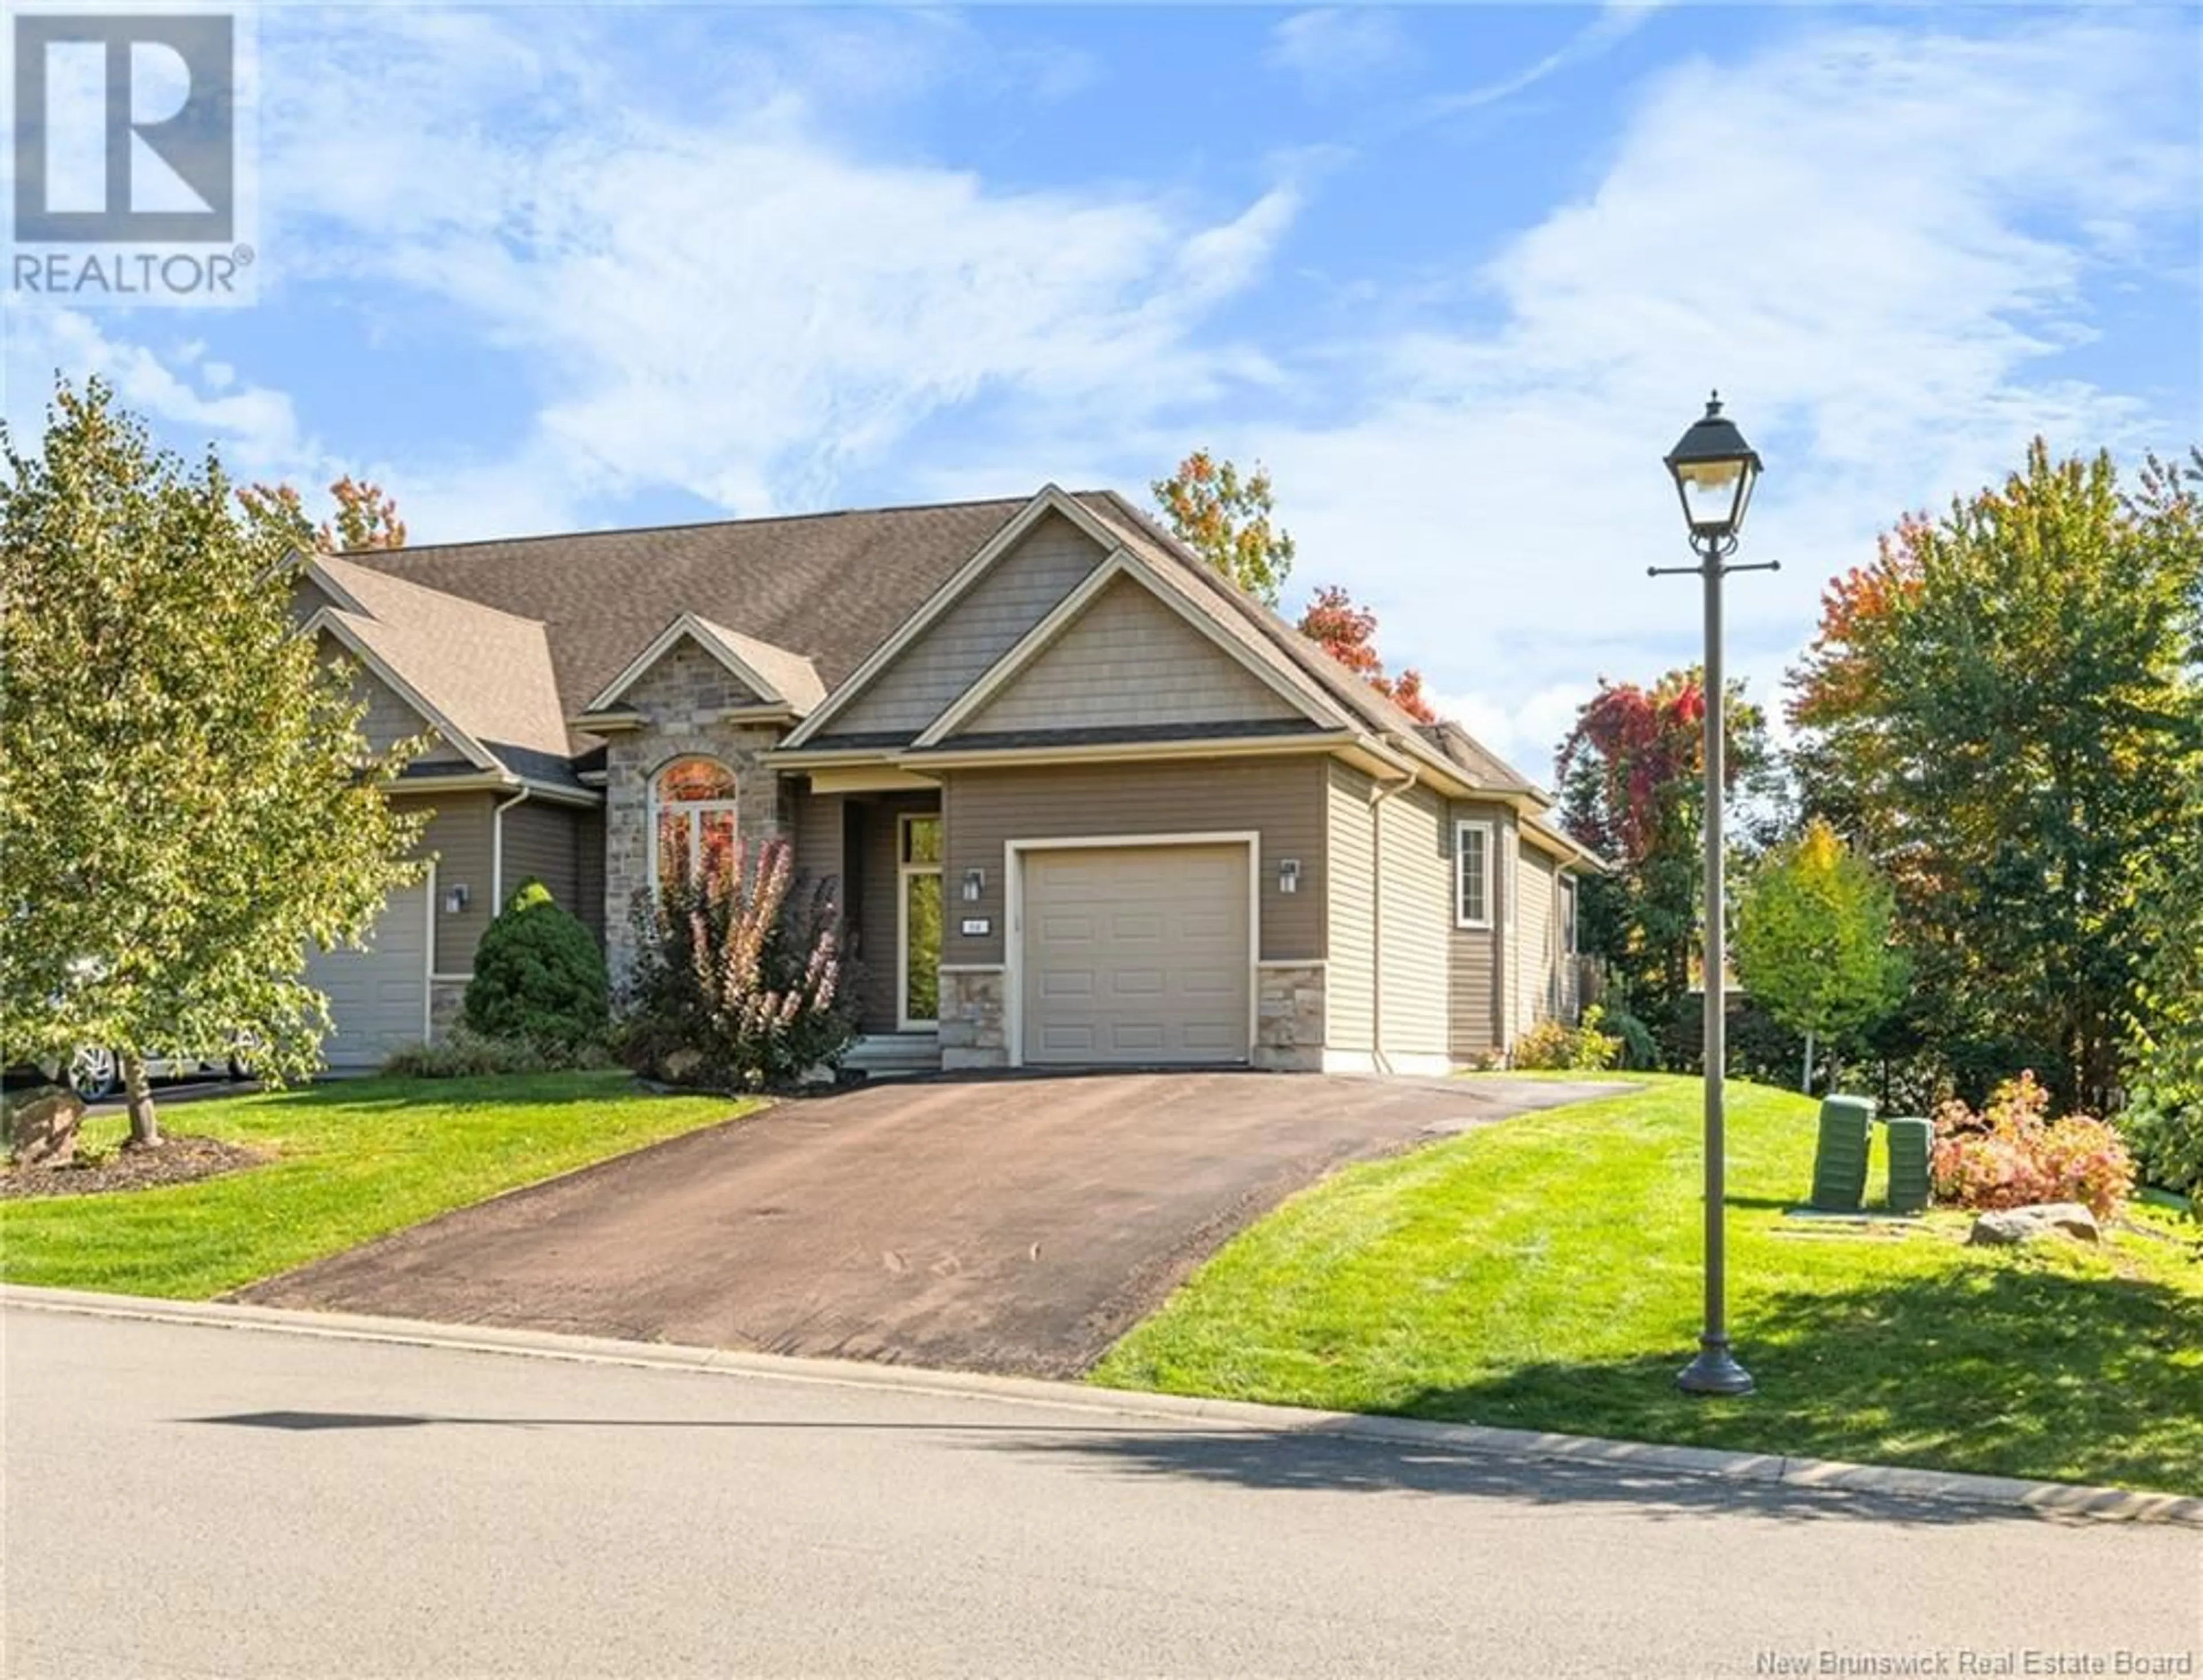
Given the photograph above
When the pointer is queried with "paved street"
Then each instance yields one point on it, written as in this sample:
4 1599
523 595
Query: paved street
184 1500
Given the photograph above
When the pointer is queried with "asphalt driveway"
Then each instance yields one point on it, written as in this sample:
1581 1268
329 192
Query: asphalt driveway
1017 1225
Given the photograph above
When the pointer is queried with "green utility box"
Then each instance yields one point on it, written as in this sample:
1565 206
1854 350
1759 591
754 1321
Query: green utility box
1840 1162
1911 1141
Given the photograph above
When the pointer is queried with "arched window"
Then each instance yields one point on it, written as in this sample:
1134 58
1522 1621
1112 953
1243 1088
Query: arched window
693 817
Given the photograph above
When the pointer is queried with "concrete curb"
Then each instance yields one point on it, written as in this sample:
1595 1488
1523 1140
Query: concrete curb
2053 1498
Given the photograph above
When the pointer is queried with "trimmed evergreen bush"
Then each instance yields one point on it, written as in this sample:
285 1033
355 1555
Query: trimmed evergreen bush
539 976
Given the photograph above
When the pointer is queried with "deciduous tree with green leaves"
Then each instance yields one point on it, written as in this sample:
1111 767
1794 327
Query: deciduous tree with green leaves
1813 941
1225 516
2004 709
186 800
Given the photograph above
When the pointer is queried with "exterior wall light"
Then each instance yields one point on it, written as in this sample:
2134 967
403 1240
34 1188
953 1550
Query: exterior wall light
455 899
1288 875
975 883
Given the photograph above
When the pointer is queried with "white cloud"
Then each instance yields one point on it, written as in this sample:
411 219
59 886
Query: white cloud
1616 22
1334 49
730 302
1873 241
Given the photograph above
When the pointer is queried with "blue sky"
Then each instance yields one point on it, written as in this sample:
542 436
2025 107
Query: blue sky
1458 274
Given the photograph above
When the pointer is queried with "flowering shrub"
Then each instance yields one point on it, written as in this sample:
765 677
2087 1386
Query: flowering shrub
2011 1154
737 986
1554 1044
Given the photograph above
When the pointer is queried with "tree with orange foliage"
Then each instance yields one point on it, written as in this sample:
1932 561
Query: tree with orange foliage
366 516
1347 633
1226 518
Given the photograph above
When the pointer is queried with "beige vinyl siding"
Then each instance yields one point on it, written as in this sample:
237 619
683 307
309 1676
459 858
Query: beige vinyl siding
1016 593
544 840
1414 878
1283 798
457 835
1129 660
589 870
1350 910
1473 1002
1536 969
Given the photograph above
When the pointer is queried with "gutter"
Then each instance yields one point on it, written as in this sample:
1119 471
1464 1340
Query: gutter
497 848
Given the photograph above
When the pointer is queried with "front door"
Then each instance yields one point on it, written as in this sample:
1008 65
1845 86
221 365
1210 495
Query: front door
918 940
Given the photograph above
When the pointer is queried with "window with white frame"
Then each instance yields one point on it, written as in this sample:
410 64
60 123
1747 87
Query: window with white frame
692 819
1472 874
1568 913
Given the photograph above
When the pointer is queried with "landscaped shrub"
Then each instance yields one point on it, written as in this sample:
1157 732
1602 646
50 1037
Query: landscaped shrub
2011 1154
538 977
738 986
2167 1143
464 1053
1554 1044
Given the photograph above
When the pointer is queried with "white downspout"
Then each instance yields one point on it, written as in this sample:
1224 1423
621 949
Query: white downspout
497 850
1380 792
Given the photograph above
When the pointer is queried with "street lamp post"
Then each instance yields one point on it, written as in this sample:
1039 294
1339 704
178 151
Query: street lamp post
1714 470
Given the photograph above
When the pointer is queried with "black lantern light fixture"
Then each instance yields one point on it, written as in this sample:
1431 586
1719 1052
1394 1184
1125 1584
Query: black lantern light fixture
1715 470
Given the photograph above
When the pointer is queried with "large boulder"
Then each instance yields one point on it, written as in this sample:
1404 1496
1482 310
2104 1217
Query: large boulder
41 1126
2007 1225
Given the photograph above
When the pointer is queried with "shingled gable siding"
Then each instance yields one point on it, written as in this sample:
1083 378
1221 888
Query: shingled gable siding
1129 660
1281 798
390 718
1473 1001
681 696
917 686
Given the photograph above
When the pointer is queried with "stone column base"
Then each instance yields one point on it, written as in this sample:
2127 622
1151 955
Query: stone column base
974 1023
1289 1017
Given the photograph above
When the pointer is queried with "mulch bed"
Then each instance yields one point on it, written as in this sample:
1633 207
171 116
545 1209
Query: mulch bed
179 1160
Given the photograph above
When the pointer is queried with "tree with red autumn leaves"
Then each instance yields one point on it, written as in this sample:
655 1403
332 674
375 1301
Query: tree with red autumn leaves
1225 516
1632 778
1348 633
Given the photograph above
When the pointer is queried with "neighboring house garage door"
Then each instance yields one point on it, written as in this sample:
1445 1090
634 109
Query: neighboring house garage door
378 997
1136 954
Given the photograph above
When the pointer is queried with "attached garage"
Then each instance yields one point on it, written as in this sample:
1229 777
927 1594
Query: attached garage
1141 953
378 997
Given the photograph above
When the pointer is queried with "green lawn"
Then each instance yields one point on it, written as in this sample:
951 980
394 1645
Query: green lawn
1545 1274
354 1159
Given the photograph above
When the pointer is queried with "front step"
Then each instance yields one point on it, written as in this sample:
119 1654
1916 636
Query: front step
887 1055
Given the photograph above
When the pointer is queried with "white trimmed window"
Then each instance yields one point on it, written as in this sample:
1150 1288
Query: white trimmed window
692 818
1568 913
1472 874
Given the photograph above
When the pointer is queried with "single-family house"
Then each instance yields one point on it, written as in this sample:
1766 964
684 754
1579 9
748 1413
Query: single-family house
1086 803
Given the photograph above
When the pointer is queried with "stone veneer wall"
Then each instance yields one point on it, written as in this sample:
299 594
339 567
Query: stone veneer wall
682 696
445 999
1289 1017
974 1023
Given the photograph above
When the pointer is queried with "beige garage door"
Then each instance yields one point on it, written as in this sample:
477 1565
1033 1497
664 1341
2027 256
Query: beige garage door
378 997
1136 954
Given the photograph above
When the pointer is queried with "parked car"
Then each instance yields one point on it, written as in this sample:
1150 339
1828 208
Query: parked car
94 1072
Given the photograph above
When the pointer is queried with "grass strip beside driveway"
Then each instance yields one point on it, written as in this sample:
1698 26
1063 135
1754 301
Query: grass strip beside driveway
355 1159
1545 1274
